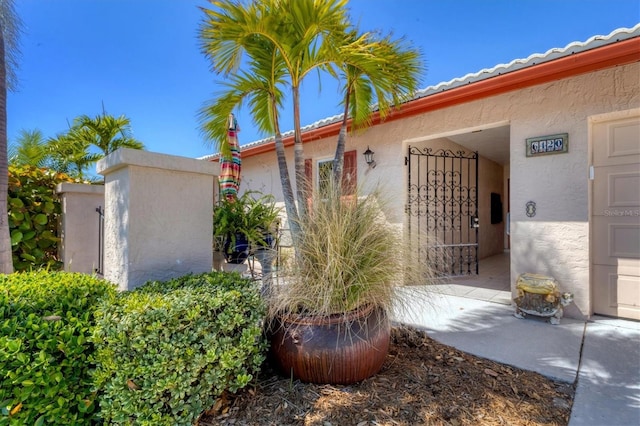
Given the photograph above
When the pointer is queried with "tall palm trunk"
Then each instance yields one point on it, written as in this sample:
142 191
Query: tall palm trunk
301 178
338 160
6 262
285 181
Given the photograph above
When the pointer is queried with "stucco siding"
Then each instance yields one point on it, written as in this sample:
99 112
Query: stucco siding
157 216
157 227
558 249
556 239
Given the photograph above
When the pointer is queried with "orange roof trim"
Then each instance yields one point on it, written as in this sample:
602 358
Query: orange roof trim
611 55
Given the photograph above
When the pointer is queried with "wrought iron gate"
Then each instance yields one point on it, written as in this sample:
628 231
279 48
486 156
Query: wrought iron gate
442 208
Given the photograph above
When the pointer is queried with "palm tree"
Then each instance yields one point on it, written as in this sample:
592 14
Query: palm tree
10 28
300 33
303 36
377 73
69 152
105 132
30 148
308 42
260 87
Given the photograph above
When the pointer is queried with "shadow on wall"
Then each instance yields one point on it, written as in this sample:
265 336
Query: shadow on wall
537 252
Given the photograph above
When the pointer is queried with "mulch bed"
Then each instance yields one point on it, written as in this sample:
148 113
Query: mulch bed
422 382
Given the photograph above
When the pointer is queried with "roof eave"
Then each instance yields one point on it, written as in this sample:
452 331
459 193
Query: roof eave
621 53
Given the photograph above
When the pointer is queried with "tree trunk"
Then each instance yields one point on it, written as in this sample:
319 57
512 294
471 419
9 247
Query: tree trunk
287 191
285 181
6 261
338 160
298 151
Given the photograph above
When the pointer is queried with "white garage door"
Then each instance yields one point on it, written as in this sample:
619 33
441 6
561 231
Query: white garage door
615 220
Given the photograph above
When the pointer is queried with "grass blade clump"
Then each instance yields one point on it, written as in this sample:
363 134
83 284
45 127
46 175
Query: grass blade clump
348 256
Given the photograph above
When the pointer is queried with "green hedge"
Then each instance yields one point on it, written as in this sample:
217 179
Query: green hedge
167 350
46 322
34 211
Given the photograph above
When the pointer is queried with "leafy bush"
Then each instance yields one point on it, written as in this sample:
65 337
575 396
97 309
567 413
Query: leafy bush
46 322
34 210
167 350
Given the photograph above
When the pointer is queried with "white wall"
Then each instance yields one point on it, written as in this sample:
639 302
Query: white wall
158 216
79 227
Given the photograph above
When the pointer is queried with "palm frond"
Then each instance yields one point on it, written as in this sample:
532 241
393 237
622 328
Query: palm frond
106 132
29 148
12 28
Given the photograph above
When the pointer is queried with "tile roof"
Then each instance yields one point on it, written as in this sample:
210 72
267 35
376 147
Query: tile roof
500 69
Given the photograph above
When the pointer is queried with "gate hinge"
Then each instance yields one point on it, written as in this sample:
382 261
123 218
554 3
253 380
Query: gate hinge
406 160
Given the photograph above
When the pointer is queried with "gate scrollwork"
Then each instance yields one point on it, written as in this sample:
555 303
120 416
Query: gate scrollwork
442 202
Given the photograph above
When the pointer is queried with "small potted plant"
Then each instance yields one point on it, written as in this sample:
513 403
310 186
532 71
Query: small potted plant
243 223
230 228
263 218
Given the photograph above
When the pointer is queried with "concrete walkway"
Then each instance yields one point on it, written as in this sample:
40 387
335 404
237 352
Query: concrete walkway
602 355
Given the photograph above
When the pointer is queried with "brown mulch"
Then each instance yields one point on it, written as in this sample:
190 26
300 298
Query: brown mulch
422 382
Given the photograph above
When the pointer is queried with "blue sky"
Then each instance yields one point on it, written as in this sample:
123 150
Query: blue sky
141 58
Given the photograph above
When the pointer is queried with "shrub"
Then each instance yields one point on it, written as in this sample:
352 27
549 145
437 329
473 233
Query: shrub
34 210
46 322
167 350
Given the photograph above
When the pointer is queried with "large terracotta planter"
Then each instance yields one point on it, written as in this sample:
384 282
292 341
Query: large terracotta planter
340 349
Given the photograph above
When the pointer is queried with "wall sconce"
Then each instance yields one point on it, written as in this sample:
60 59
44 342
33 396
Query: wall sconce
368 157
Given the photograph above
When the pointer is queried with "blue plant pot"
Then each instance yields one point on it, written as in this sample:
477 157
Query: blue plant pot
239 253
269 240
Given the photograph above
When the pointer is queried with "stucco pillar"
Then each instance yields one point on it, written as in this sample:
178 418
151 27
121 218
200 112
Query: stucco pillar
80 226
158 216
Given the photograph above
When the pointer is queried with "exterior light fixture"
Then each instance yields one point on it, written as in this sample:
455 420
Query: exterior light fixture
368 157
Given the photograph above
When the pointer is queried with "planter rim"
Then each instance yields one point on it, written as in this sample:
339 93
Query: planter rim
313 319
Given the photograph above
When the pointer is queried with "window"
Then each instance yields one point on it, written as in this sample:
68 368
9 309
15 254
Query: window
325 168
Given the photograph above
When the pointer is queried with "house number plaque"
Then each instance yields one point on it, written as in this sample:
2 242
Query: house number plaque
544 145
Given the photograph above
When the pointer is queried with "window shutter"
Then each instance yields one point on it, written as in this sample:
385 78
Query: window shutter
350 173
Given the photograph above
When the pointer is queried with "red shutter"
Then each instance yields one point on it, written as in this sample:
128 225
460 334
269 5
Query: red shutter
350 173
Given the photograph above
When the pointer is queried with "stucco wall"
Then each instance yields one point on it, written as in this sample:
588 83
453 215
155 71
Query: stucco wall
261 172
490 236
559 233
556 240
506 176
158 222
79 247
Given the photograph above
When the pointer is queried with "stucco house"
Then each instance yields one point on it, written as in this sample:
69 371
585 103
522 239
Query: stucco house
537 160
